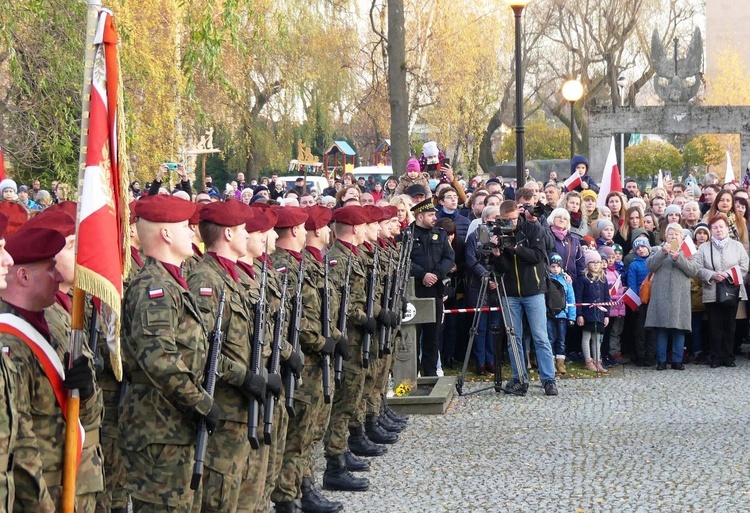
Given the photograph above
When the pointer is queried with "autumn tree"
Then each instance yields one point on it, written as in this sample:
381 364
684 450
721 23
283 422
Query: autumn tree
543 141
703 151
646 159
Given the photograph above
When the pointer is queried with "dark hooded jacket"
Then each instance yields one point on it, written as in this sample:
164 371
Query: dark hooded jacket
580 159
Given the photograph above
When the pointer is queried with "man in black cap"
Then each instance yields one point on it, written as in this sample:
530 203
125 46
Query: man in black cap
431 259
417 193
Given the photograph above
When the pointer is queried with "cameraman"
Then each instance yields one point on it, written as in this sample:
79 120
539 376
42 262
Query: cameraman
523 266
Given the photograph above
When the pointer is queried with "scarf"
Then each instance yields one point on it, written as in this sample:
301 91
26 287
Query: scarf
575 219
720 243
560 234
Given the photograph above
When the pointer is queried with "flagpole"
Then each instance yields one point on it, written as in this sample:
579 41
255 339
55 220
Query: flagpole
70 459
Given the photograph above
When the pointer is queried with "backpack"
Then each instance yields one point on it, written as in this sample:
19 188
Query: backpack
555 298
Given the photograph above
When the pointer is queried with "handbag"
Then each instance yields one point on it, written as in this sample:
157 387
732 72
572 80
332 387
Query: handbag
726 293
645 291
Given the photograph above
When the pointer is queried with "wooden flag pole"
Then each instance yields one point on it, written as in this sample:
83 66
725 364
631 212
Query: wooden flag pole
70 459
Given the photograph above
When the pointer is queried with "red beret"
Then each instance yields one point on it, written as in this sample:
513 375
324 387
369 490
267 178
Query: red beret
164 209
376 213
3 224
318 217
17 215
69 207
261 220
196 217
352 214
131 207
290 217
57 219
391 211
227 213
30 245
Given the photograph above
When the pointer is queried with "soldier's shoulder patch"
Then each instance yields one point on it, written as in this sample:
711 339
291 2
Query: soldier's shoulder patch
281 270
206 291
155 293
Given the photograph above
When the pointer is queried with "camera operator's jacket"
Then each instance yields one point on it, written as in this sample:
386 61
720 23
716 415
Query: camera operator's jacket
524 267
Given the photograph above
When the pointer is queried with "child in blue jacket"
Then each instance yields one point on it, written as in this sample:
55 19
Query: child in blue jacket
557 328
593 316
645 346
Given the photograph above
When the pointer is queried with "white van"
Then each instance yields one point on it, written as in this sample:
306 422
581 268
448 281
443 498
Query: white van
313 182
381 173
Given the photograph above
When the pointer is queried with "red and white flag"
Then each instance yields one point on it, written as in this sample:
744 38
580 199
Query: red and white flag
2 165
614 289
573 181
631 299
102 226
688 247
735 274
610 178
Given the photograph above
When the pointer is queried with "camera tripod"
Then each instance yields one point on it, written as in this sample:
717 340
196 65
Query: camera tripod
495 329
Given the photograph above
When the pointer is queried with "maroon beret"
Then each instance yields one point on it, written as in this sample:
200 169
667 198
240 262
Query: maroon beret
262 220
3 224
30 245
131 207
57 219
164 209
17 215
289 217
318 217
352 214
227 213
391 211
196 217
69 207
376 213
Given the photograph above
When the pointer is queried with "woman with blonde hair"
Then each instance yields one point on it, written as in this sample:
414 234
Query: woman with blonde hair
403 203
617 203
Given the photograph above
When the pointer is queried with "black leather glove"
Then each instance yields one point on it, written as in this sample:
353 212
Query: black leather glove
211 418
274 384
254 386
330 346
294 363
384 317
370 325
395 319
79 376
342 347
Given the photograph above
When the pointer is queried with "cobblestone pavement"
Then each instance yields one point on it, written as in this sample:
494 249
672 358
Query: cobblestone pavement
640 440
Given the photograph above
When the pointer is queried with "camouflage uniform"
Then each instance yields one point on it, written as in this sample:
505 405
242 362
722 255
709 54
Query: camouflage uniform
9 379
221 480
309 403
349 397
164 357
38 459
189 264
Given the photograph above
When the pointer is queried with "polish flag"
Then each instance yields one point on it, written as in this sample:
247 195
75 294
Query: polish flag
729 175
573 182
610 178
631 299
735 274
615 287
688 247
2 165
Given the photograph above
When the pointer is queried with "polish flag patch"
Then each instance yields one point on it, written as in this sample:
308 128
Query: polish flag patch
156 293
206 291
281 270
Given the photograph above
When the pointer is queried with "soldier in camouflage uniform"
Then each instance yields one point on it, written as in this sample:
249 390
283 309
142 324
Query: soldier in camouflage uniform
8 382
164 357
309 397
349 228
222 227
197 256
290 227
32 283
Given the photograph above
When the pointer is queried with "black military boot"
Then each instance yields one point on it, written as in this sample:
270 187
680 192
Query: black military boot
314 502
355 464
337 477
377 434
361 445
119 510
390 426
397 417
285 507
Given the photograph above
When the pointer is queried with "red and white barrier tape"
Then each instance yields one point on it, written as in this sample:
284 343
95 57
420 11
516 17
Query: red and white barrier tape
497 308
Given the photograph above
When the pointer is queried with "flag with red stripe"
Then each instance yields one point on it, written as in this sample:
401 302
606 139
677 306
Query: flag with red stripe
614 289
2 165
573 181
631 299
735 274
688 247
102 226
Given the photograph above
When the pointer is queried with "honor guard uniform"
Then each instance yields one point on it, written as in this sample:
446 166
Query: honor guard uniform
197 256
350 225
8 384
38 352
165 349
136 254
222 228
309 397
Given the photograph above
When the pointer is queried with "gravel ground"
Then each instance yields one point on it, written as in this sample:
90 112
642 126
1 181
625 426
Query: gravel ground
639 440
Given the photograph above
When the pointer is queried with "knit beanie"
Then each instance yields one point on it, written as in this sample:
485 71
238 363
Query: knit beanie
602 224
8 184
588 193
412 165
640 241
606 251
591 256
704 227
617 248
672 209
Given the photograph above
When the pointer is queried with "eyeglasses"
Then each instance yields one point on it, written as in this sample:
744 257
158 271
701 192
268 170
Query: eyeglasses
450 197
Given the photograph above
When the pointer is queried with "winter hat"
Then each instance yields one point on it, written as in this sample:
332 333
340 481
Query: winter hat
640 241
591 256
672 209
637 202
431 152
617 248
554 258
603 223
588 193
603 209
638 232
704 227
412 165
8 184
606 251
588 240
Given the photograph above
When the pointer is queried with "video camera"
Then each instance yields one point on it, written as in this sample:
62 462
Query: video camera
536 210
502 229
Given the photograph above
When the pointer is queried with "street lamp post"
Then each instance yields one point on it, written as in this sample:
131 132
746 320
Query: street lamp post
572 90
517 6
622 83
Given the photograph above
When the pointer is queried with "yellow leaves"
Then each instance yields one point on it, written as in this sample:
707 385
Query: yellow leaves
729 84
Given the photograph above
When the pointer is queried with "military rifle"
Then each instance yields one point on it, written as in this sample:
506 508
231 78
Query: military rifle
259 340
343 313
291 381
403 271
325 313
384 344
372 281
275 363
209 382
